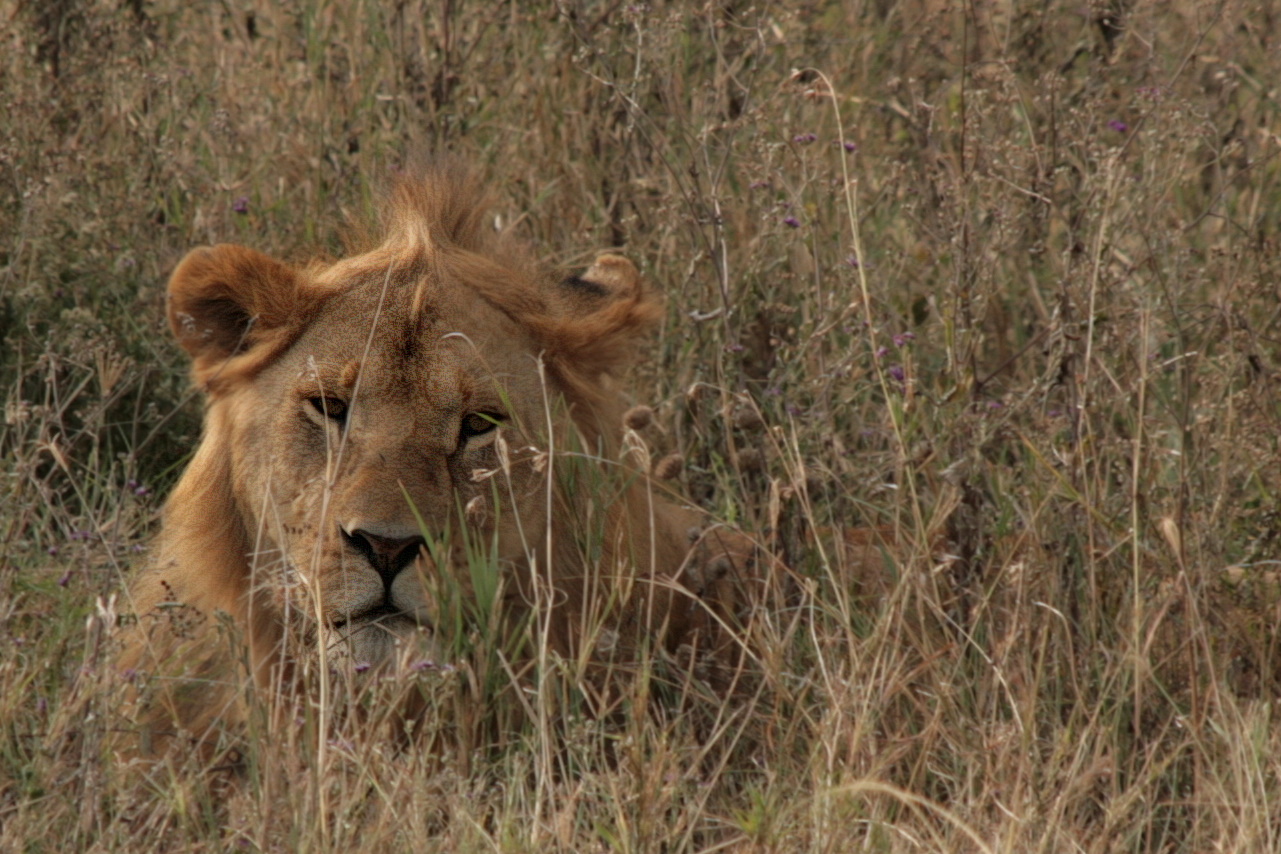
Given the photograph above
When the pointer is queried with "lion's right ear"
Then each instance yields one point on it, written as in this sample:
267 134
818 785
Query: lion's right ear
226 300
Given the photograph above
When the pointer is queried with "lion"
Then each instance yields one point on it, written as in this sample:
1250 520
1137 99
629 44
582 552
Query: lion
368 418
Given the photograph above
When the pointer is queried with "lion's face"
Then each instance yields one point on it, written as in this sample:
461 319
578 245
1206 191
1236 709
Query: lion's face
361 447
378 418
392 442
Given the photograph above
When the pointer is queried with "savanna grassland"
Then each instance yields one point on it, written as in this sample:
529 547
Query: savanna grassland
999 279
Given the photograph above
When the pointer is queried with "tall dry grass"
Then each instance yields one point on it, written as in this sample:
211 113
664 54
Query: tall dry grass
1001 280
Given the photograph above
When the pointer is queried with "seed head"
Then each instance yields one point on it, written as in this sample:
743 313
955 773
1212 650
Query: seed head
669 467
477 512
750 460
747 418
638 417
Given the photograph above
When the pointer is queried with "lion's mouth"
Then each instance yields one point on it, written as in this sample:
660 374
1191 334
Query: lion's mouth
386 620
379 637
381 614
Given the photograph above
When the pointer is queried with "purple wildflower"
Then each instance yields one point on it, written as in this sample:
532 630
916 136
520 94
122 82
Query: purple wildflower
805 138
241 205
850 146
362 667
65 580
897 374
791 222
881 351
903 338
1118 126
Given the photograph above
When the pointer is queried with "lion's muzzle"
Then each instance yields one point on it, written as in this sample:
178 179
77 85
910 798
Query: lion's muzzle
387 591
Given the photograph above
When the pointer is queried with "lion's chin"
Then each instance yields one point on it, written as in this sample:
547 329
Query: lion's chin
365 643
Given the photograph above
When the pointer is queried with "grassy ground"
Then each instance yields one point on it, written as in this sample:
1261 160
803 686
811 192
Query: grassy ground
1000 277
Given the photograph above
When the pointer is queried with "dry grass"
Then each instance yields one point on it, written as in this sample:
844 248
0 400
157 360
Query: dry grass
1001 281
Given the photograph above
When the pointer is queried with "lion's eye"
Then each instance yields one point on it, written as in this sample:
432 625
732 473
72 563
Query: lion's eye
333 408
478 424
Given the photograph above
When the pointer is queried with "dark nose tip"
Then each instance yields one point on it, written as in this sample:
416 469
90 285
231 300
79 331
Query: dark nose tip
387 555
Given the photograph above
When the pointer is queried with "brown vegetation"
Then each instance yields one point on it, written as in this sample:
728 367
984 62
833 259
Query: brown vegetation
997 281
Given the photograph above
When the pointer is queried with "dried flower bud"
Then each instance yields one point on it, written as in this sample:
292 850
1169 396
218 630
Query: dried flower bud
719 568
638 417
747 418
697 392
669 467
607 642
750 460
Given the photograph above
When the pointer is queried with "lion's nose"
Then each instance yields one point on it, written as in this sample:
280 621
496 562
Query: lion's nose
387 555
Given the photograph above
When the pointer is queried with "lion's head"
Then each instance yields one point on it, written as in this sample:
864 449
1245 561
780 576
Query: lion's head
367 418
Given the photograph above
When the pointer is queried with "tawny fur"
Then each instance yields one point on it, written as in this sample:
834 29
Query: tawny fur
269 529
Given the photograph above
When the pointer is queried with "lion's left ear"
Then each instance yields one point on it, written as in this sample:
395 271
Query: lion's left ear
603 314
